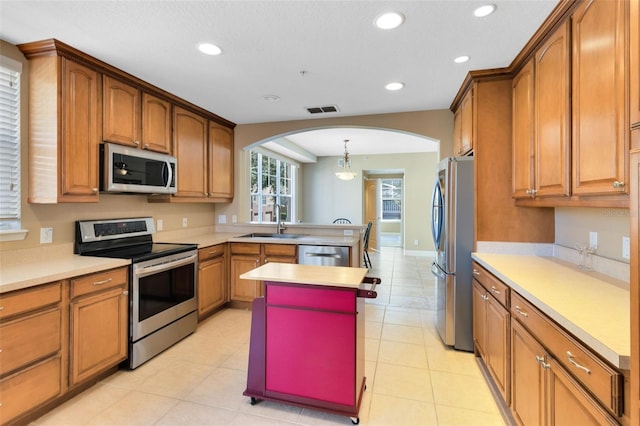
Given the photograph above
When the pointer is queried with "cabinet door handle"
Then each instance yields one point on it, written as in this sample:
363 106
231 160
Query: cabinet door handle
485 297
137 143
125 293
519 310
103 281
539 359
618 184
494 290
94 190
572 361
476 272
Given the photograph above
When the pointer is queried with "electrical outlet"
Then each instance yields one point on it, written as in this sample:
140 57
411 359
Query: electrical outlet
46 235
159 225
593 239
626 248
184 222
416 242
234 218
222 218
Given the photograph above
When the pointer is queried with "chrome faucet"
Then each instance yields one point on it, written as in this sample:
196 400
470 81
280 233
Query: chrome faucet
280 224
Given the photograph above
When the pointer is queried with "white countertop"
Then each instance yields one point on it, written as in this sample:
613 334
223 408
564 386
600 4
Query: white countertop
25 268
335 276
591 306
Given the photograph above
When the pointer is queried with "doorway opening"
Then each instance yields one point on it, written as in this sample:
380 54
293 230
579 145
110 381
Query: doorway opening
384 207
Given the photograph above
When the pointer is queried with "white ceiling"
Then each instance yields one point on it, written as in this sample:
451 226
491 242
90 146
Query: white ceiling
266 44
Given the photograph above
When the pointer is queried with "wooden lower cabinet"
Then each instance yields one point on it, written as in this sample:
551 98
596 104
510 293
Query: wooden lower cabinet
543 392
32 350
212 279
491 332
248 256
527 377
98 323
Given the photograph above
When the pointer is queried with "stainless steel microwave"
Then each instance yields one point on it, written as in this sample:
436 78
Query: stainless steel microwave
125 169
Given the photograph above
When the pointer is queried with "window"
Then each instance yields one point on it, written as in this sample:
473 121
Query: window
391 199
9 144
272 182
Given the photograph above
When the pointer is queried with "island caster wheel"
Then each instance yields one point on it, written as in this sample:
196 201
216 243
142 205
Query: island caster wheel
253 401
355 420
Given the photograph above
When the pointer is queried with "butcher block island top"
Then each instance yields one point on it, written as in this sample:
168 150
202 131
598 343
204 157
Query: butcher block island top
593 307
336 276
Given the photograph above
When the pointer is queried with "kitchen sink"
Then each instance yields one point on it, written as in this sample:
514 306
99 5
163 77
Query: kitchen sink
265 235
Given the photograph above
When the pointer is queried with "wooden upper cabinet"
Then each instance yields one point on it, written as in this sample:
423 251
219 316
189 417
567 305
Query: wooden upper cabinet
135 118
190 147
522 128
80 133
600 136
551 119
634 66
121 113
65 123
156 124
463 125
220 162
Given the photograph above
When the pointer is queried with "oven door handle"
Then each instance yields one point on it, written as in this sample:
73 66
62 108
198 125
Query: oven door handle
148 270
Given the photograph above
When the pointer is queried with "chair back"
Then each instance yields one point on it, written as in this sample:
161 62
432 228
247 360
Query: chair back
367 232
342 220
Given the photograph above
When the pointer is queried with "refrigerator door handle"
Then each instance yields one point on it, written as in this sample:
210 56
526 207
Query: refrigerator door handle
438 271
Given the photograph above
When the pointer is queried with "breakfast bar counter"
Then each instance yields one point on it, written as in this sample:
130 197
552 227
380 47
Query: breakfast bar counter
307 337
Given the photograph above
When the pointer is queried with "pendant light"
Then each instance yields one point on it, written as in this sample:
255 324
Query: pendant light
344 172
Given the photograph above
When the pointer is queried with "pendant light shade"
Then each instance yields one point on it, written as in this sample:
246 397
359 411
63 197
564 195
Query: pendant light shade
344 171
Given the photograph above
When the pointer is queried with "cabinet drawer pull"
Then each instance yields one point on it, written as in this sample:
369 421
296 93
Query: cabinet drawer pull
125 293
494 290
572 361
618 184
94 190
103 281
476 272
1 308
521 312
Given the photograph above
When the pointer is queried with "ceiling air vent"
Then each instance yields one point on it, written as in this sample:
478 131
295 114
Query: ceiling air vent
322 110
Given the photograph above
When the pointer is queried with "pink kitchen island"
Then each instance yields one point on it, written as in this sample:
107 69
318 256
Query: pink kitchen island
307 337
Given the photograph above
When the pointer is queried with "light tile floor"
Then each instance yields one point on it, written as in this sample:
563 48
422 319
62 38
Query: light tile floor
412 378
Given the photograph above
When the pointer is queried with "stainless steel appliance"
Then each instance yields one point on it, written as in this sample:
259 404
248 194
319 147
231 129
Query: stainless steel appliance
162 277
125 169
323 255
452 226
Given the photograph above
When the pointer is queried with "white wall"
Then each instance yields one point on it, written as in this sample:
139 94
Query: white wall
574 224
326 197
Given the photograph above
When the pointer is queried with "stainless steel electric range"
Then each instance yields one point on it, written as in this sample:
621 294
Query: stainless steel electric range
162 279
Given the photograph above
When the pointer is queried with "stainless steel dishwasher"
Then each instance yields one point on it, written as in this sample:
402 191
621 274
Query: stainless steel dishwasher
323 255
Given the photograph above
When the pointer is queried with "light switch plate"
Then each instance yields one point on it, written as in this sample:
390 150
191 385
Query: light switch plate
626 248
222 218
593 239
184 222
46 235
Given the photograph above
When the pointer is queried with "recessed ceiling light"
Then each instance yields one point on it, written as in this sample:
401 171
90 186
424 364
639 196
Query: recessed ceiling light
209 49
389 20
271 98
485 10
396 85
461 59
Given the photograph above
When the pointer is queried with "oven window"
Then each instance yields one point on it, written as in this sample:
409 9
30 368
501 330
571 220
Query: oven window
166 289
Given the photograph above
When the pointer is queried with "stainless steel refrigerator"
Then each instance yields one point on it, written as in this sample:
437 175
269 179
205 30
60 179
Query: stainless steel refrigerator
452 226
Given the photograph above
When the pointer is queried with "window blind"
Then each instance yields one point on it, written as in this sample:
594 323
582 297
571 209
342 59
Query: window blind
9 144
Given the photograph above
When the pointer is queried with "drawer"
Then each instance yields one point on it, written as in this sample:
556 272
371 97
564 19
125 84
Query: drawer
20 301
493 285
211 252
310 297
280 250
30 388
245 248
98 282
604 382
29 339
